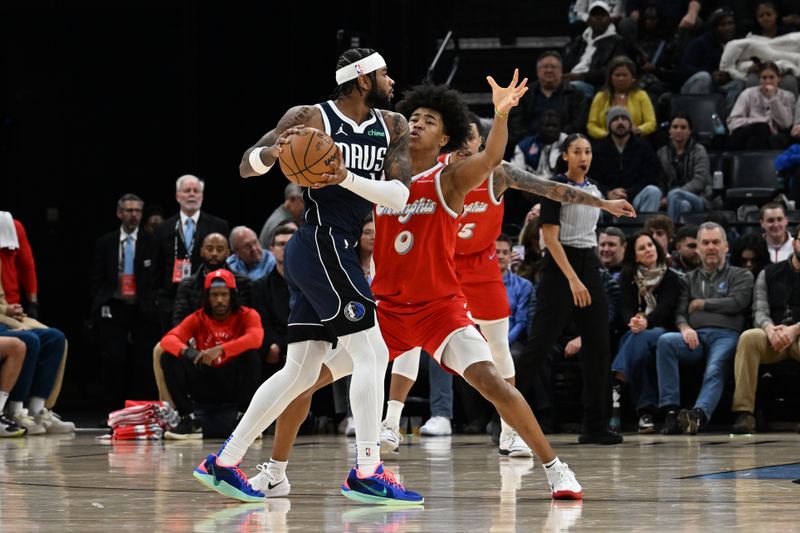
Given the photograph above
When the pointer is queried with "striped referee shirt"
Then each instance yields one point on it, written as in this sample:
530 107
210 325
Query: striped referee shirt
578 222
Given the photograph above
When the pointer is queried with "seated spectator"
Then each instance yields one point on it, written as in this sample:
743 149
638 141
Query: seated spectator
776 237
539 153
687 175
762 116
685 257
699 66
681 15
648 300
12 355
189 296
776 317
588 55
714 302
626 166
271 300
611 250
621 90
519 292
656 51
662 229
550 92
291 209
222 365
769 26
248 257
750 253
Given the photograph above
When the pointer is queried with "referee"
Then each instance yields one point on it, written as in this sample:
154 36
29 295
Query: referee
570 288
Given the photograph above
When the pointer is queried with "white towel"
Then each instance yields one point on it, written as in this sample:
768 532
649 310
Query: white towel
8 233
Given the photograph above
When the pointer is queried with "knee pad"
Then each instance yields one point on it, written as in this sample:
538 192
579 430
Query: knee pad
496 334
465 348
407 365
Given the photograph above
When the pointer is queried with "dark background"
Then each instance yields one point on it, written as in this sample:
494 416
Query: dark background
100 100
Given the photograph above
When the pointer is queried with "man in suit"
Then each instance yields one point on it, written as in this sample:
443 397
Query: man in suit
178 241
124 289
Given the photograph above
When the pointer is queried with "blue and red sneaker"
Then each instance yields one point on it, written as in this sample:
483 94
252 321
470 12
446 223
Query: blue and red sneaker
227 480
381 488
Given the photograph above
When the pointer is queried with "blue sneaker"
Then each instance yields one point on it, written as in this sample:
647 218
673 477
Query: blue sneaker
380 488
227 480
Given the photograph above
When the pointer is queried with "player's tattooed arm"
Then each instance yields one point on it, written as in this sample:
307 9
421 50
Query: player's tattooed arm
397 164
507 176
302 115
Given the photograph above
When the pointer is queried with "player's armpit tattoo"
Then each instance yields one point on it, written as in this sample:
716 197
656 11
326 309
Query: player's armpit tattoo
397 165
508 175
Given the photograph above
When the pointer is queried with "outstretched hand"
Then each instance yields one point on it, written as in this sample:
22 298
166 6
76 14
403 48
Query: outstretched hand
619 208
506 98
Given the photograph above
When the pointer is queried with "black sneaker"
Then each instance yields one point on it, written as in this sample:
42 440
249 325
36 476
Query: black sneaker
600 437
671 426
745 424
187 429
691 420
9 428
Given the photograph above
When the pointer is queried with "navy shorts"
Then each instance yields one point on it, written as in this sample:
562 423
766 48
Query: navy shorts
330 296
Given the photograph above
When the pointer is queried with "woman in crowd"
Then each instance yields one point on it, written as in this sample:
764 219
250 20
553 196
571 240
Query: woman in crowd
648 299
621 89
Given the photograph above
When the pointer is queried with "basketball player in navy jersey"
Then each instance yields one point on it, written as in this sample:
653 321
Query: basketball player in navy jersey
331 302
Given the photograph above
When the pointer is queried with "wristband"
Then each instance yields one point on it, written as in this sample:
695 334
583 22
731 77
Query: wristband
499 114
255 161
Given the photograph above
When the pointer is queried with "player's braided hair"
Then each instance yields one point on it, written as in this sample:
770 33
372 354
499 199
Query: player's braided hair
447 102
348 58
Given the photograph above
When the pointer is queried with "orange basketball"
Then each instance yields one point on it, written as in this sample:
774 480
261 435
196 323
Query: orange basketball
308 156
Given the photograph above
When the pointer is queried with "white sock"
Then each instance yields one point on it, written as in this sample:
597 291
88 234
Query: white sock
35 405
3 399
505 429
551 464
303 362
14 408
394 410
370 359
277 469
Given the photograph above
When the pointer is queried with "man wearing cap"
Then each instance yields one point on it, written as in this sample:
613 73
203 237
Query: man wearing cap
699 65
625 166
291 209
222 364
588 55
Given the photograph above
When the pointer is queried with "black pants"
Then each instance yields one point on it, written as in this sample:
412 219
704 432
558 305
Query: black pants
233 382
757 137
554 311
126 341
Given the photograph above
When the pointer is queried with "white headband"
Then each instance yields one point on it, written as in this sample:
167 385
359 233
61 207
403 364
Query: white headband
371 63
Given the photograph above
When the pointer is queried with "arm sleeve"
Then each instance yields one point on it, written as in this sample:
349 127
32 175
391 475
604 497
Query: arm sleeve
391 194
250 340
682 313
629 299
701 171
550 212
612 293
596 125
740 295
648 124
761 315
26 267
782 109
740 114
178 337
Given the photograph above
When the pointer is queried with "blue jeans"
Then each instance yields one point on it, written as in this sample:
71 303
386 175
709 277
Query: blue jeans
717 346
681 201
441 385
648 199
586 88
637 360
44 350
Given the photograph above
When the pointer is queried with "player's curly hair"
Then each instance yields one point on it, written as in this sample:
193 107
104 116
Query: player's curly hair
447 102
349 57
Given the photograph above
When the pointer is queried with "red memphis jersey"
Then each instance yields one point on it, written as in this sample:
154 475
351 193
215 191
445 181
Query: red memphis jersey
414 247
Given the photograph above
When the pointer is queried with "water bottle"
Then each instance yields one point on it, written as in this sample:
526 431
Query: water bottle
718 181
717 124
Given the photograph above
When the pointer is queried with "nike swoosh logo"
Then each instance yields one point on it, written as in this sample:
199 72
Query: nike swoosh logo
383 492
492 256
270 486
214 476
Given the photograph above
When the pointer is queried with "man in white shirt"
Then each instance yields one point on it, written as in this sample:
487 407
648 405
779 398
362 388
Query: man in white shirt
777 239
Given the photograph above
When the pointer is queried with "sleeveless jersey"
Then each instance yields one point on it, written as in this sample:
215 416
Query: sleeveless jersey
415 247
363 148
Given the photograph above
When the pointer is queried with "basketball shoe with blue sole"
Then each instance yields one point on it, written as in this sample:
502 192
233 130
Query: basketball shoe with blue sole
381 488
227 480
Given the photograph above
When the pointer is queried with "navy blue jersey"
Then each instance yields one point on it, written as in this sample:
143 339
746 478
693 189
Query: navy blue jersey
363 148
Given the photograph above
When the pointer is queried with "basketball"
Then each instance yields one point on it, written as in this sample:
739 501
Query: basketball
308 156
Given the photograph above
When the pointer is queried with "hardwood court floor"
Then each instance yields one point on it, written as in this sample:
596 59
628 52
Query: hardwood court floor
703 483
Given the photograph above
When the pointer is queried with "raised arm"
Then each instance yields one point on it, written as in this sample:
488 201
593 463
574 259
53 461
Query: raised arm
267 145
508 176
460 178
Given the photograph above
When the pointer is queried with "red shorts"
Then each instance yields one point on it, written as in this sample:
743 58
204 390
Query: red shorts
482 284
427 326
